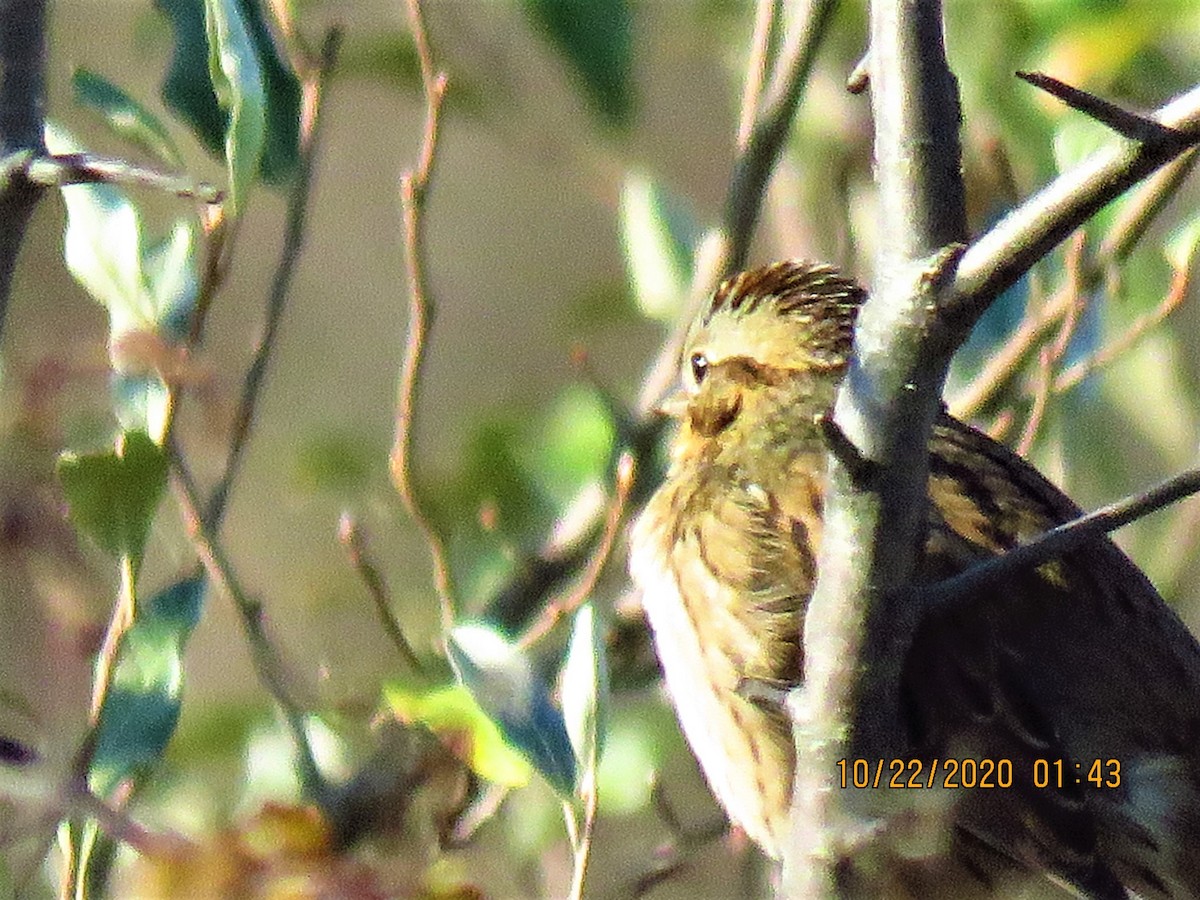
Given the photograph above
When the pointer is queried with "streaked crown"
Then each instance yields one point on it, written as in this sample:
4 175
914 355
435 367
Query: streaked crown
793 314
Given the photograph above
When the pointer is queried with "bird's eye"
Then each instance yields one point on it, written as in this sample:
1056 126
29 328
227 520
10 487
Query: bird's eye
699 366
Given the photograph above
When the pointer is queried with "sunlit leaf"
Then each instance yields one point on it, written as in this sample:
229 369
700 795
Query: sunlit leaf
595 37
451 713
238 82
503 681
585 688
188 88
112 496
170 274
657 239
125 116
103 243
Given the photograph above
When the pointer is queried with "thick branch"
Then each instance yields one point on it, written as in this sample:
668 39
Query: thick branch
885 409
22 114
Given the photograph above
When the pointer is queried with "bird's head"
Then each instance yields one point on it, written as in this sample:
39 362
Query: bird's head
770 338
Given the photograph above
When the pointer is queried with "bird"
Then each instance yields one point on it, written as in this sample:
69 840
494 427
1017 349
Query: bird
1055 674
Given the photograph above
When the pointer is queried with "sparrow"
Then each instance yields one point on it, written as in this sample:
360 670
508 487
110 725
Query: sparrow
1059 672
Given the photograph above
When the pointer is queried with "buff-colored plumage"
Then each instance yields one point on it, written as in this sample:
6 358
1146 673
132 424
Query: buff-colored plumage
1080 659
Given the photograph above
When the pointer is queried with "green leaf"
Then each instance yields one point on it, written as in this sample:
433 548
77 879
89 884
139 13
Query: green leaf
127 118
141 709
169 267
658 240
572 446
595 37
188 88
238 83
151 289
112 496
103 244
451 713
585 691
501 677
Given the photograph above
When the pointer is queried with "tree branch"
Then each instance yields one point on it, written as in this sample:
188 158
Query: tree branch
723 250
281 283
885 408
1061 540
1007 251
414 186
922 307
22 117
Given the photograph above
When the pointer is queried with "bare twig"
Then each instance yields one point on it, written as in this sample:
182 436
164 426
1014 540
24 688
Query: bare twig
999 257
1073 376
313 90
1122 121
414 189
1144 206
1128 228
1004 364
583 842
122 617
62 170
678 853
267 664
724 250
1050 355
612 526
117 824
352 539
763 47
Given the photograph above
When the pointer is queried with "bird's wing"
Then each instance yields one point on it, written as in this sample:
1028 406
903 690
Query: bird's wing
1078 660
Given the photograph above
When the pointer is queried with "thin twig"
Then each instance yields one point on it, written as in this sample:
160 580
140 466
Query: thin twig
1061 540
117 824
1073 376
1122 121
1008 249
583 843
267 664
587 582
1123 236
1135 216
724 250
414 189
352 539
1041 394
313 90
1050 355
1005 363
763 46
678 853
61 170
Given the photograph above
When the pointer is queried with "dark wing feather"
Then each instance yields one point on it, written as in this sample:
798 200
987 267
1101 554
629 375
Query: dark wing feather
1079 659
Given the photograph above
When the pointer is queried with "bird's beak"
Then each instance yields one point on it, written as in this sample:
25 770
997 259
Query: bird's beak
675 404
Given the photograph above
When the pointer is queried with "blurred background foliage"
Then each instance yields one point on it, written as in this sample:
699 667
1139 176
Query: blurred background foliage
585 148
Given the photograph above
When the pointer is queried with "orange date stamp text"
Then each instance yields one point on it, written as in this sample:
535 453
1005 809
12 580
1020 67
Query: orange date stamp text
975 774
